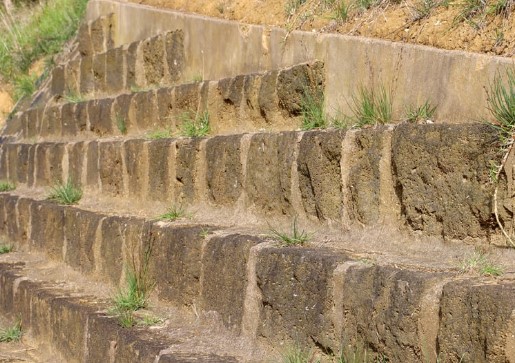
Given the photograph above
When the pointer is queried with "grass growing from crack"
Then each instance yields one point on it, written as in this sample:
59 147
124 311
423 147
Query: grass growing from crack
420 113
195 125
73 97
296 354
12 333
65 193
6 249
295 238
501 104
173 213
159 134
138 286
6 186
371 107
359 354
312 110
121 124
24 85
478 262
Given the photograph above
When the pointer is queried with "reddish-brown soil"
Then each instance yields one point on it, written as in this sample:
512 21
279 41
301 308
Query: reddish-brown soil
428 22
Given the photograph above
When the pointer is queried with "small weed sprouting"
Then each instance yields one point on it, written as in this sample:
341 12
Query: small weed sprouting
359 354
6 249
159 134
6 186
149 320
478 262
292 6
420 113
468 10
73 97
121 124
66 193
173 213
423 9
24 85
296 237
204 233
296 354
342 11
492 171
502 7
371 107
195 125
126 319
312 110
12 333
197 78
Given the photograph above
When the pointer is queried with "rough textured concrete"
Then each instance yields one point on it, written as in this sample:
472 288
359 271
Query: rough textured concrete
110 167
159 165
46 232
442 176
135 166
185 169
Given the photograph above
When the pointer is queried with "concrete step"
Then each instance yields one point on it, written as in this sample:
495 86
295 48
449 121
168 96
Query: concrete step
271 101
432 178
315 296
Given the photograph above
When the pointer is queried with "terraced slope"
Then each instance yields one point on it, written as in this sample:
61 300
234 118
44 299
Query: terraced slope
396 214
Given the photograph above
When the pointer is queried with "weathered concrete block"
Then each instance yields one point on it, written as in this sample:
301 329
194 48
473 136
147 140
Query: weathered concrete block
224 284
267 98
185 169
137 167
100 116
395 299
296 289
121 113
231 90
23 162
159 169
268 176
47 232
81 116
55 156
12 161
31 171
186 98
442 177
364 182
3 215
11 220
51 121
320 178
99 72
58 80
177 266
294 83
477 322
80 228
250 104
87 80
165 107
76 153
111 167
143 109
72 76
85 46
154 60
131 57
97 35
69 124
115 70
24 222
92 162
31 116
175 57
224 170
111 245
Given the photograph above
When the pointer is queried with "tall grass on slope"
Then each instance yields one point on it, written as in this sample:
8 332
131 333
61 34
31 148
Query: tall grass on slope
36 33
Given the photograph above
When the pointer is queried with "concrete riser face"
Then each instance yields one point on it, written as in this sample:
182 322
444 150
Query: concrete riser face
435 178
75 327
312 296
246 103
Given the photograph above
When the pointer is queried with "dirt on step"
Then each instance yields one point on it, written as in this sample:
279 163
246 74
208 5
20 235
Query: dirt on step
475 26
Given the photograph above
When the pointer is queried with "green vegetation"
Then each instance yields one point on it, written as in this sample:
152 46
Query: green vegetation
292 6
371 107
6 186
342 11
173 213
12 333
420 113
298 355
296 237
73 97
121 124
66 193
359 354
159 134
33 33
478 262
149 320
423 9
468 10
134 296
195 125
502 7
312 110
6 249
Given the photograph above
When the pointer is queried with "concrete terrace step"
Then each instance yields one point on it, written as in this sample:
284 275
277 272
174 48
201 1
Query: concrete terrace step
271 100
319 297
432 178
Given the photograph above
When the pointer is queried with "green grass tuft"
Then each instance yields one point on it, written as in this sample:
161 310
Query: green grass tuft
6 186
296 354
501 102
312 110
420 113
296 237
73 97
173 213
195 125
371 107
6 249
159 134
66 193
12 333
121 124
24 86
478 262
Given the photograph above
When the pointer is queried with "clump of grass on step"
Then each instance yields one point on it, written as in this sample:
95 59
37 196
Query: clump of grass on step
12 333
468 10
24 85
420 113
296 354
159 134
296 237
371 106
121 124
149 320
6 186
173 213
312 110
501 102
6 249
359 354
66 193
73 97
478 262
195 125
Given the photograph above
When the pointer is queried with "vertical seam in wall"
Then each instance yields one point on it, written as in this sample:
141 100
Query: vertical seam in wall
172 169
64 249
242 201
65 161
145 172
85 342
199 300
200 183
125 174
295 194
97 248
389 203
345 162
84 171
